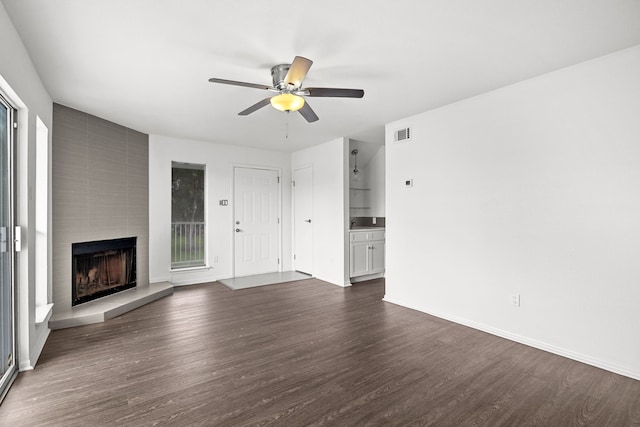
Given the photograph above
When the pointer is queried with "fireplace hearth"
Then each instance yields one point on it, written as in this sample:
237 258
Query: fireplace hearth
102 268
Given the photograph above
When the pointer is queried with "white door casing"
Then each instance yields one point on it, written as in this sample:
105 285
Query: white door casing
8 246
303 219
256 221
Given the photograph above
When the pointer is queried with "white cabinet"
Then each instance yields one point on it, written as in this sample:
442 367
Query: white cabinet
366 252
359 259
376 256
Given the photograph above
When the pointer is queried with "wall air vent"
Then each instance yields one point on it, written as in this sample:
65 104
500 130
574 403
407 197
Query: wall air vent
402 135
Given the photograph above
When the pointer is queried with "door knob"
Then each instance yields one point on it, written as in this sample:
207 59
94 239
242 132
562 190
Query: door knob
238 230
307 220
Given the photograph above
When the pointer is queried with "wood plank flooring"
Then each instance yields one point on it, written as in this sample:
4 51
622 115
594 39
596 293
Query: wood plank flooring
304 353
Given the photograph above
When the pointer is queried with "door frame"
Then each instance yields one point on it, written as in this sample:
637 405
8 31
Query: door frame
233 211
11 156
293 217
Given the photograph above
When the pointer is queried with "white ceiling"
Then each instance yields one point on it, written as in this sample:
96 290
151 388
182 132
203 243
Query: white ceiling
145 63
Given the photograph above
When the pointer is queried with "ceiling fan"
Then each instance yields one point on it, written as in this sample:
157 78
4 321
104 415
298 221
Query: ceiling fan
287 83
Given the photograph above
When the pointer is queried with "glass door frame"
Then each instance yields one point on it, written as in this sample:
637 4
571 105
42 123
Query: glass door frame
11 369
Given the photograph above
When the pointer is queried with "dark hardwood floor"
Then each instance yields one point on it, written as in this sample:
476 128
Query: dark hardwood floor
304 353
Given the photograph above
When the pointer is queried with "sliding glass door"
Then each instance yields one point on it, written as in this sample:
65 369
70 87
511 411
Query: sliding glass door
7 335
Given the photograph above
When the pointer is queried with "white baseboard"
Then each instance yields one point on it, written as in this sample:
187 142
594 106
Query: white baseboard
25 366
342 285
189 283
177 282
560 351
366 278
39 345
36 350
159 279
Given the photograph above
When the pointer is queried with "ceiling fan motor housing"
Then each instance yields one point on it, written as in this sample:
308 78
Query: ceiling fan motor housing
278 74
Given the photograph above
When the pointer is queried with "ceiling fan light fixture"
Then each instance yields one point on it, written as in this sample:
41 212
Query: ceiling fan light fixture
287 102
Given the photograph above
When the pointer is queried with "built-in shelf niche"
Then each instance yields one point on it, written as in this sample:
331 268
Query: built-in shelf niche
359 198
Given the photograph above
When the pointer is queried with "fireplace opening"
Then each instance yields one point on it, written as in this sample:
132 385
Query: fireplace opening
102 268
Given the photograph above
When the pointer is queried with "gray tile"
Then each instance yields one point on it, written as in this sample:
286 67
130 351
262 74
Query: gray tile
69 213
68 132
98 126
137 138
68 152
100 189
107 176
138 225
66 116
138 191
72 180
103 149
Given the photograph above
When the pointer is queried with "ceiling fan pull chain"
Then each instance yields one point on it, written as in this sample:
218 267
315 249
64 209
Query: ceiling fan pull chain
286 126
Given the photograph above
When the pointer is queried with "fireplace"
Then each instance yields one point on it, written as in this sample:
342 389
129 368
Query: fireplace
102 268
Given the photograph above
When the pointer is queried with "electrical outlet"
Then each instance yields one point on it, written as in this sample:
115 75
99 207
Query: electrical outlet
515 300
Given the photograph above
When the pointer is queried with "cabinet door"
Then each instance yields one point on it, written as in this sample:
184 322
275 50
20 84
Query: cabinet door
376 253
359 259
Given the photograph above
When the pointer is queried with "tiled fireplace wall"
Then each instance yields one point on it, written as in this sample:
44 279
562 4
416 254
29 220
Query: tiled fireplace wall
100 191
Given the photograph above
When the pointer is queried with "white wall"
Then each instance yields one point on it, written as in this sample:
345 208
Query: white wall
219 160
330 202
19 80
532 189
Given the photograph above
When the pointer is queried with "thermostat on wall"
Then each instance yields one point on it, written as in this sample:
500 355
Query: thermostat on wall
408 183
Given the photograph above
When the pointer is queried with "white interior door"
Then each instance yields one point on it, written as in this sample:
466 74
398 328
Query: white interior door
303 220
257 222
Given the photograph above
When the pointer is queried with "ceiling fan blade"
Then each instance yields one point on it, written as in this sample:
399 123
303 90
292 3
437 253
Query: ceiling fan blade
235 83
307 112
298 71
330 92
254 107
